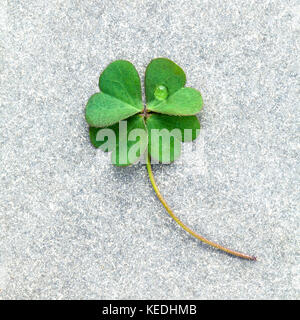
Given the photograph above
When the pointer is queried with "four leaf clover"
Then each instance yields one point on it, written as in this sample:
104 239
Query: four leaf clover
118 118
169 106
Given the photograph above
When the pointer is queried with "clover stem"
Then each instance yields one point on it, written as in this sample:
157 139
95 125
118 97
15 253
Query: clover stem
182 225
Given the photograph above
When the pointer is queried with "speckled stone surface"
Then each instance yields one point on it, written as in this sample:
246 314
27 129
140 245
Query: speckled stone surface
72 226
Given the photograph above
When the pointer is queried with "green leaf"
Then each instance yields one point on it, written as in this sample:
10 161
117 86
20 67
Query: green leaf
127 140
101 141
120 97
184 102
121 80
163 72
189 126
164 142
103 110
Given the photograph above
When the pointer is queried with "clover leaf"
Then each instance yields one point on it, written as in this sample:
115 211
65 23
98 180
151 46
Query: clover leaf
167 99
120 97
111 140
121 124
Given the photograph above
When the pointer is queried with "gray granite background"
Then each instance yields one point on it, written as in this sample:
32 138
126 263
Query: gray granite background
72 226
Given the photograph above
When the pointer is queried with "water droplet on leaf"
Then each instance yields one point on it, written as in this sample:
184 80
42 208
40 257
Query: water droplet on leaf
161 92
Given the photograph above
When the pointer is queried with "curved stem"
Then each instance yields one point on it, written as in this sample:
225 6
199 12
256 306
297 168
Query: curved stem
182 225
